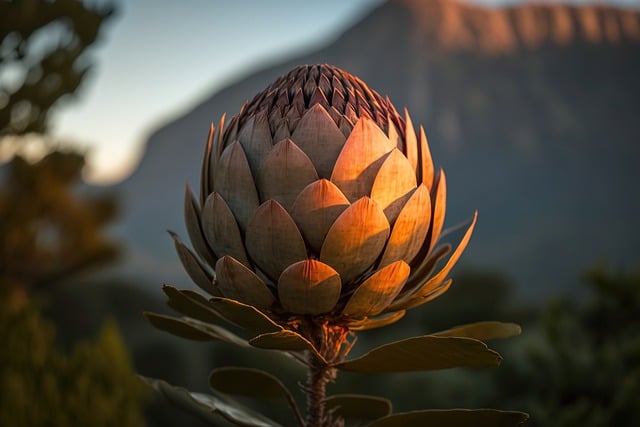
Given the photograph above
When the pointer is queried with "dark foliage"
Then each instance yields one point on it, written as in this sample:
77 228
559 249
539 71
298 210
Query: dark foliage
49 230
44 45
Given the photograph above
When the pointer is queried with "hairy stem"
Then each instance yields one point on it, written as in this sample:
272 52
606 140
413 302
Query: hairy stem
319 375
332 344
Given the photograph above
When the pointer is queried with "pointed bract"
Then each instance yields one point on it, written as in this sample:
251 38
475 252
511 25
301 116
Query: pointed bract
193 267
221 229
255 137
318 136
234 182
241 284
439 208
426 163
376 293
356 239
316 209
410 229
194 229
284 172
411 141
273 239
393 184
309 287
360 158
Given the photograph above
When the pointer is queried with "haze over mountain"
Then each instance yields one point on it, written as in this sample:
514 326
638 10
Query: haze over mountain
533 111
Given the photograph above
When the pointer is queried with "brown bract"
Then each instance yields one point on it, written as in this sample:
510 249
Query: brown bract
319 204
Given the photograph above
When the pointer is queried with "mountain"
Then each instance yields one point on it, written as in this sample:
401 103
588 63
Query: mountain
532 110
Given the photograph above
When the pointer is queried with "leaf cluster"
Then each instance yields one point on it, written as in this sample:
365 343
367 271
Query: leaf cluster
585 371
226 320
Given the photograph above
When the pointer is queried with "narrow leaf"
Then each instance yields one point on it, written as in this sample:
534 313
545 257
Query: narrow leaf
358 409
454 418
424 353
285 340
482 331
192 307
210 408
193 329
247 382
244 316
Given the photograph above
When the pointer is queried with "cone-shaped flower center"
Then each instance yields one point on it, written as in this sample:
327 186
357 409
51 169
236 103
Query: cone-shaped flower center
344 96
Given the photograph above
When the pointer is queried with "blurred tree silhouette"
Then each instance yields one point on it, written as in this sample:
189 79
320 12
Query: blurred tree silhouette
41 386
586 370
50 232
576 364
52 227
43 45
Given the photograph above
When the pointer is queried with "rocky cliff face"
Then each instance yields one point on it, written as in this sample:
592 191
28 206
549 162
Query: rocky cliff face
451 26
533 111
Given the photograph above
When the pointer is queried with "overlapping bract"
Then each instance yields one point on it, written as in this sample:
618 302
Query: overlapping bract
320 199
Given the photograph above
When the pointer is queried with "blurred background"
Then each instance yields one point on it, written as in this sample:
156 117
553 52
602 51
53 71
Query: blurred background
533 110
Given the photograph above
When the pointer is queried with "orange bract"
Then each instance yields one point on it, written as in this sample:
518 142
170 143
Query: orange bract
319 199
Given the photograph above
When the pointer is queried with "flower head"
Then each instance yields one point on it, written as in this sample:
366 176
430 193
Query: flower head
319 201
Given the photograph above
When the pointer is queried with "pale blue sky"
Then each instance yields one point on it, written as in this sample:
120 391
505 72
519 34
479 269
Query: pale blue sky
157 58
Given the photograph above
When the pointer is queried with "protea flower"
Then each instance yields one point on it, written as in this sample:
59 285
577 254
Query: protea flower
319 203
319 214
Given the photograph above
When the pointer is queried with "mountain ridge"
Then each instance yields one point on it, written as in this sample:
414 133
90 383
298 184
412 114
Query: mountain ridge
541 140
453 26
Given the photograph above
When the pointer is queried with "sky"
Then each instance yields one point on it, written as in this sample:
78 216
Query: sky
158 58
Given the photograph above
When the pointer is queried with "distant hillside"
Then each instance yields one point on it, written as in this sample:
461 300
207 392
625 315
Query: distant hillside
533 111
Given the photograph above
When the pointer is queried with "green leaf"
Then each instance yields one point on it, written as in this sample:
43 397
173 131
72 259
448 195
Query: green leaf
252 383
247 382
245 316
210 407
284 340
424 353
193 329
483 331
454 418
186 304
358 409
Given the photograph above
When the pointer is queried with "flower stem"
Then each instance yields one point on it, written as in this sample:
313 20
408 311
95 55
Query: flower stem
332 346
319 375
